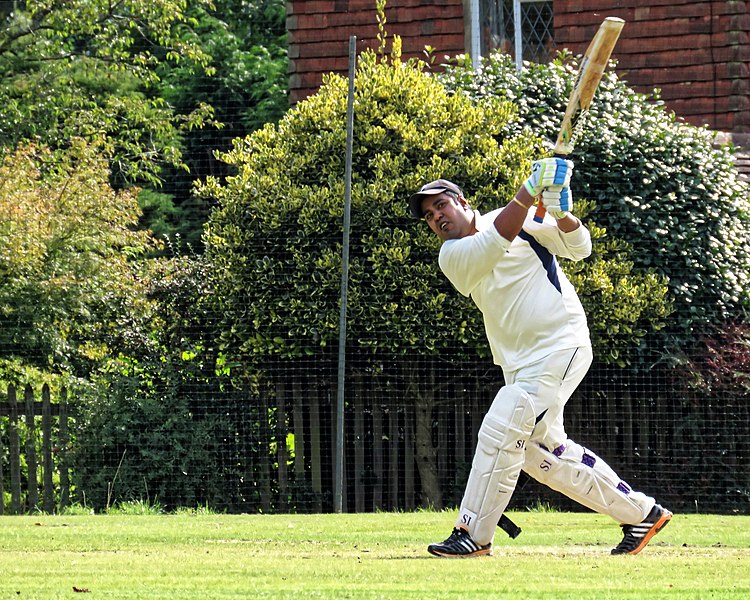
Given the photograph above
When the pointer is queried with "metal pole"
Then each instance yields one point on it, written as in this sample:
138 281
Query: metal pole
476 48
518 34
338 500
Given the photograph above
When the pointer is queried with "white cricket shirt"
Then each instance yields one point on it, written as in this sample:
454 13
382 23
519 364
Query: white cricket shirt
530 308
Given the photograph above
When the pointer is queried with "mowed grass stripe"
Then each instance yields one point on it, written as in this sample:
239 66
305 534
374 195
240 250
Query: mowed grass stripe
383 555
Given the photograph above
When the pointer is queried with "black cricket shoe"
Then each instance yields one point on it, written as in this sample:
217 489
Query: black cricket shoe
635 537
459 545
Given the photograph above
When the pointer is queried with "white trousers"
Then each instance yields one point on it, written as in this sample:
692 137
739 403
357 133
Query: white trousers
548 455
550 383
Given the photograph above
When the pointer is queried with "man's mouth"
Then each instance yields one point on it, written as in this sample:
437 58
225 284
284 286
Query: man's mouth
443 225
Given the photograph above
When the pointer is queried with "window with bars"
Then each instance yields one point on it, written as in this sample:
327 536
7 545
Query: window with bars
498 28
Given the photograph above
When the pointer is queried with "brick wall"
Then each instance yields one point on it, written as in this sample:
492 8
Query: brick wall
319 32
697 52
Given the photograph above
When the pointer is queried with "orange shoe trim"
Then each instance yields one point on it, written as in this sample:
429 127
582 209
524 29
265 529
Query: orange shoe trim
656 528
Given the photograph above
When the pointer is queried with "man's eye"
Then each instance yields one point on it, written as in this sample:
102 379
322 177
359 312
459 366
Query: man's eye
428 217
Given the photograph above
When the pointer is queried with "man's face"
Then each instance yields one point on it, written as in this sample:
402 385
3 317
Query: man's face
450 218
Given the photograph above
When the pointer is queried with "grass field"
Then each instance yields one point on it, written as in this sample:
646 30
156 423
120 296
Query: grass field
558 555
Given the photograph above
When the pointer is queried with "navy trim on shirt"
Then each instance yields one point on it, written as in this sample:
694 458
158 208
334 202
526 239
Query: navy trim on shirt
547 259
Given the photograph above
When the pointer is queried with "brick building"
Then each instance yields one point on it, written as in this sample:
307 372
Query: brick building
697 52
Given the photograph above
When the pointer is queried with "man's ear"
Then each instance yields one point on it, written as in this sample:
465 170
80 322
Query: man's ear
462 202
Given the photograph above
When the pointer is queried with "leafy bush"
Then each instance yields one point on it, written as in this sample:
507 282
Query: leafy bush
622 306
275 239
137 439
660 184
67 244
149 425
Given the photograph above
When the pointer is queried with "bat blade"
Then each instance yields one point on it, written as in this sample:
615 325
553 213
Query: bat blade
590 73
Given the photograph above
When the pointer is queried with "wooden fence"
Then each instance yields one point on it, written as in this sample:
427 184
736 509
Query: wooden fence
54 443
288 462
274 451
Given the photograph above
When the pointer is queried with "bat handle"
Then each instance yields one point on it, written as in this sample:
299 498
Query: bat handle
540 212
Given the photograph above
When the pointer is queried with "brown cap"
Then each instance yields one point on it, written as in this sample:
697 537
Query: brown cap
430 189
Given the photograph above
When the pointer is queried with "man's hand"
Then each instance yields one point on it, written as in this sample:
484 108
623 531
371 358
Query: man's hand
547 172
557 200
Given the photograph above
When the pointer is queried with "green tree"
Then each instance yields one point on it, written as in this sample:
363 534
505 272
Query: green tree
68 246
87 68
80 307
245 83
164 83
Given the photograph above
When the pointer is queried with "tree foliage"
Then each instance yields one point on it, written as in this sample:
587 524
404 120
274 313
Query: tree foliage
246 86
87 68
96 97
276 237
162 83
67 248
623 306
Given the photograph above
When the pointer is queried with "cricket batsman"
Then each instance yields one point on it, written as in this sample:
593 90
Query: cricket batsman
537 331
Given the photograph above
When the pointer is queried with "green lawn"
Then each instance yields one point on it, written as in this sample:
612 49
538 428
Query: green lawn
558 555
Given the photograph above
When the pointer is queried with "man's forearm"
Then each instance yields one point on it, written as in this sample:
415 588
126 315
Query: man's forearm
510 220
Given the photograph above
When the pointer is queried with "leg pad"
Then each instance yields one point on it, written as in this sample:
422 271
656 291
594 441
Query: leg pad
497 462
581 475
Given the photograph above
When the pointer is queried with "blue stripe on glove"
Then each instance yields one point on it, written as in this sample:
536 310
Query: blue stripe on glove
547 172
557 201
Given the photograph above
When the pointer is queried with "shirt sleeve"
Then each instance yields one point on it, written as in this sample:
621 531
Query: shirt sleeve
575 245
468 260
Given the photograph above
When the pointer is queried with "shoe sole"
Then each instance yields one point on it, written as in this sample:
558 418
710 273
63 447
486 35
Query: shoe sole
477 553
665 517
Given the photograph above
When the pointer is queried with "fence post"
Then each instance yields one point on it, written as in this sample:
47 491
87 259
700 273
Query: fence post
15 453
64 439
393 446
377 455
264 461
315 455
409 433
31 462
49 486
359 444
300 436
281 450
2 478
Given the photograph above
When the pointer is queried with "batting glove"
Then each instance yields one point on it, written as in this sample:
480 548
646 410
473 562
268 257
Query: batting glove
547 172
557 200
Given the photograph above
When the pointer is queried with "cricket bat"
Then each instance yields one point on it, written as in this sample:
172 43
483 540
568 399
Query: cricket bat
590 73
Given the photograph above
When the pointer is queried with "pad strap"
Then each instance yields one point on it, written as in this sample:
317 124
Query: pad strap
509 527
